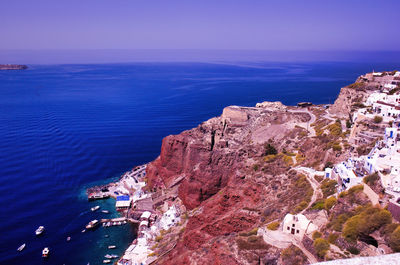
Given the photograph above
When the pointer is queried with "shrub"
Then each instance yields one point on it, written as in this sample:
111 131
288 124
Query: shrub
353 250
270 150
270 158
321 246
348 124
370 179
256 167
394 240
316 235
329 203
293 256
328 187
378 119
252 243
335 128
287 160
273 226
337 147
332 238
318 205
249 233
350 229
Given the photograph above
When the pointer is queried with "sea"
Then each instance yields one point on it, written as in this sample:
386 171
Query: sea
64 128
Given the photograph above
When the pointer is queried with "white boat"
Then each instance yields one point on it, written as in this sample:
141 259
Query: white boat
111 256
95 208
45 252
83 231
21 247
111 247
92 224
68 238
105 211
106 261
39 230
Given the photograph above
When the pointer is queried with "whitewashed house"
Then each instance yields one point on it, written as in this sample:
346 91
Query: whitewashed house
386 110
346 175
389 86
298 225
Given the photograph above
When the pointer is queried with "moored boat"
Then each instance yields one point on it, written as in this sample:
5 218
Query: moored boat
105 211
40 230
106 261
21 247
95 208
111 247
92 224
45 252
68 239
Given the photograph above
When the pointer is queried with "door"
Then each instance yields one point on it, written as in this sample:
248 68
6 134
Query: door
292 231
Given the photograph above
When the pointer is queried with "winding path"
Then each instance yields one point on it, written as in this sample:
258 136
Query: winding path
306 125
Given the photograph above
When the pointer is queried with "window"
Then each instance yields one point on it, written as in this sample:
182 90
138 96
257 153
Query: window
292 225
297 231
288 228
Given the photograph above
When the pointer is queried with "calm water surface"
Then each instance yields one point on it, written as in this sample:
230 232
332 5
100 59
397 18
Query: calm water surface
66 127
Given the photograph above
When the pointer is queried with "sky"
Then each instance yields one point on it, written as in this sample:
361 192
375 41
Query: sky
201 24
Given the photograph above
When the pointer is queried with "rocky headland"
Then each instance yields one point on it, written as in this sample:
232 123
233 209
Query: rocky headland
13 67
232 180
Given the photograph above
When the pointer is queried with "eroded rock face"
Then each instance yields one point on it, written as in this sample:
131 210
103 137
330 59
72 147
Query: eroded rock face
218 163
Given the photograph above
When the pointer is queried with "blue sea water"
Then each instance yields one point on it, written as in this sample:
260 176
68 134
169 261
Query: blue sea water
64 128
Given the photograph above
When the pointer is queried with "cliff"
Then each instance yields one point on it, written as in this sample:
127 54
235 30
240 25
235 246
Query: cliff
233 172
13 67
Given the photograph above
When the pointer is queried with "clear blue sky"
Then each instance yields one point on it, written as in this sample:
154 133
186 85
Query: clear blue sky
200 24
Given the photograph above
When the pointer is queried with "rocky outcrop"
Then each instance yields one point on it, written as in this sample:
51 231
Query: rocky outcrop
13 67
348 100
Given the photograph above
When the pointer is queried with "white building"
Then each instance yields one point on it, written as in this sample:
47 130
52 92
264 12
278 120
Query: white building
386 110
397 74
328 172
298 225
389 86
346 175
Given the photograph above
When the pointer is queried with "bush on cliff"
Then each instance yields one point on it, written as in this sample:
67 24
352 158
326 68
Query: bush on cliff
394 240
329 203
270 150
378 119
251 243
273 226
293 256
328 187
321 246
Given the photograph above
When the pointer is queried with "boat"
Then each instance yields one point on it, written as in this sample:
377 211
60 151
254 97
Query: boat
95 208
111 256
92 224
106 261
83 231
21 247
108 256
45 252
106 236
40 230
68 238
105 211
111 247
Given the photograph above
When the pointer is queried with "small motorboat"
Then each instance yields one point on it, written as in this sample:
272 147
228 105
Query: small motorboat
45 252
106 261
68 239
108 256
95 208
40 230
106 236
92 224
21 247
113 256
83 231
111 247
105 211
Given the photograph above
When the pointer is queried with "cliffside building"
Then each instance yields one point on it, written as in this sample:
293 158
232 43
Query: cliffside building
298 225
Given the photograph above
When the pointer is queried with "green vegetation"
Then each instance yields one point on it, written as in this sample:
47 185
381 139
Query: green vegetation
332 238
273 226
358 105
321 246
337 147
293 256
328 187
318 205
256 167
394 91
394 240
348 124
251 243
356 85
370 179
378 119
270 150
329 203
252 232
287 160
353 250
335 129
303 190
316 235
367 220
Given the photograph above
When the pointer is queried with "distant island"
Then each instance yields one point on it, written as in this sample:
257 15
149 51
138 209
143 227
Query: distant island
13 67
